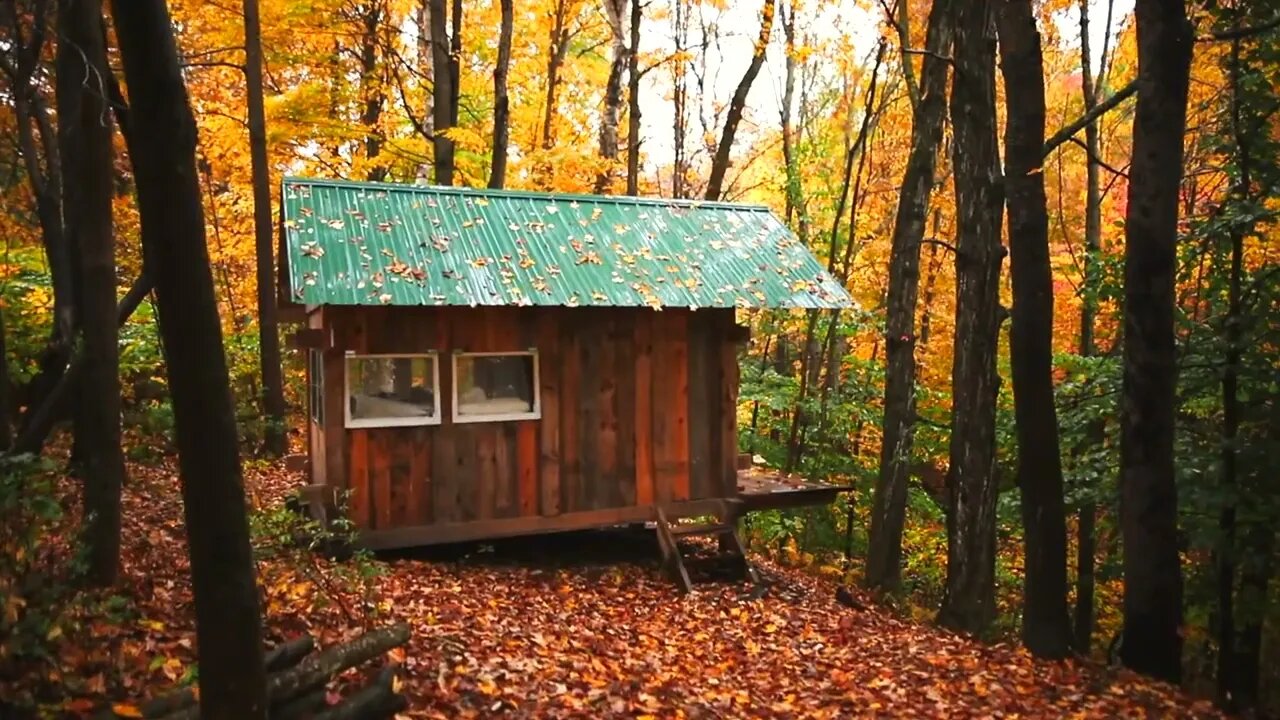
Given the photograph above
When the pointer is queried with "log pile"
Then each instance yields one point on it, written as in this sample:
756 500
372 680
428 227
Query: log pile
297 678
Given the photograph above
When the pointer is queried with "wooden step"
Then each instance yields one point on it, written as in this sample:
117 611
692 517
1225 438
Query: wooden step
700 529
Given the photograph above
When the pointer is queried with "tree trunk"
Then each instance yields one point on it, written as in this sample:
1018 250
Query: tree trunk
889 501
1046 625
228 621
1149 497
274 442
501 103
633 101
85 135
1086 514
6 392
680 105
614 11
444 108
557 49
969 601
720 164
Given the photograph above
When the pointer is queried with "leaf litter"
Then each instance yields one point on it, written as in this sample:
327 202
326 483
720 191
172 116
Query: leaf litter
562 638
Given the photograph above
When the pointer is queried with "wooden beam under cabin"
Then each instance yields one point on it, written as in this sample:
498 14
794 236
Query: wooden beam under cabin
310 339
509 527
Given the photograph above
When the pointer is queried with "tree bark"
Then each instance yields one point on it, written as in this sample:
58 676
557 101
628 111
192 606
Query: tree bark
444 105
1086 514
274 442
633 101
6 391
889 501
228 621
720 164
618 60
85 135
557 49
1046 625
968 604
1149 497
501 103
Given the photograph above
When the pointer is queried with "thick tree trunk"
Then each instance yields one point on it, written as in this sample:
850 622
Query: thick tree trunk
85 130
268 326
1046 625
444 105
720 163
969 601
633 101
889 501
501 103
1149 497
228 620
614 11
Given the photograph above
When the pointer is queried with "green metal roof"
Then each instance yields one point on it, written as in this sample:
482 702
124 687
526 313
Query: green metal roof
349 243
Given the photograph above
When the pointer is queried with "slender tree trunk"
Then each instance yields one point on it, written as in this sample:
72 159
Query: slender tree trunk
1149 497
1046 625
228 620
6 392
614 11
633 100
426 64
1086 514
443 106
274 442
969 600
889 501
680 105
720 163
84 119
501 103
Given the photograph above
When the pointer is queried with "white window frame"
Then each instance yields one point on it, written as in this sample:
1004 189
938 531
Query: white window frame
358 423
534 414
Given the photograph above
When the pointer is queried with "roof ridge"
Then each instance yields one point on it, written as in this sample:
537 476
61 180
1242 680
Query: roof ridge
531 194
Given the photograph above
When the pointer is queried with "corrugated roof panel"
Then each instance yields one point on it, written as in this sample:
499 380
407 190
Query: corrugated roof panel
381 244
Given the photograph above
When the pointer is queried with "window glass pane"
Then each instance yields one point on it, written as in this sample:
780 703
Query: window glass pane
495 385
384 388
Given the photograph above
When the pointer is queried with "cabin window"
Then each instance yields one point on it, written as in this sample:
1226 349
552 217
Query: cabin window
315 385
392 390
491 387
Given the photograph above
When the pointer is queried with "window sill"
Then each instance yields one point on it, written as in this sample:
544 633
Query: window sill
504 417
366 423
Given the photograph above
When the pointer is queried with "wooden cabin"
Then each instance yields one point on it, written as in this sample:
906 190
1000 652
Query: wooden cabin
487 363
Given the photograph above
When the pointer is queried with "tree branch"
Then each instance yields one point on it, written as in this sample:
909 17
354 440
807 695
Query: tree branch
1100 162
1241 32
1098 110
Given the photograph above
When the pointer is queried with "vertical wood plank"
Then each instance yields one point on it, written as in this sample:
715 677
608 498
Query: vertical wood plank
527 462
728 417
570 377
624 410
486 468
505 470
549 425
444 475
420 475
358 478
702 383
679 399
606 490
466 484
380 478
644 407
589 427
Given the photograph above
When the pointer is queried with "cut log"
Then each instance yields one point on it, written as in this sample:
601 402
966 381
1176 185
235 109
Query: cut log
303 706
331 661
289 653
283 656
374 702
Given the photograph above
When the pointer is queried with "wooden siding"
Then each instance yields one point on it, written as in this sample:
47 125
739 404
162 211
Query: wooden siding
637 407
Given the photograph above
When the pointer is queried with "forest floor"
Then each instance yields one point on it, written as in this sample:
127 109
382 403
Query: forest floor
596 633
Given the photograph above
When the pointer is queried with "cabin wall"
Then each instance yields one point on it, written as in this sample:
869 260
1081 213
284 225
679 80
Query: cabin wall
317 467
637 407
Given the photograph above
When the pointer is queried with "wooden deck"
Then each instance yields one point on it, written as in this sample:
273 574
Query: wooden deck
761 489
